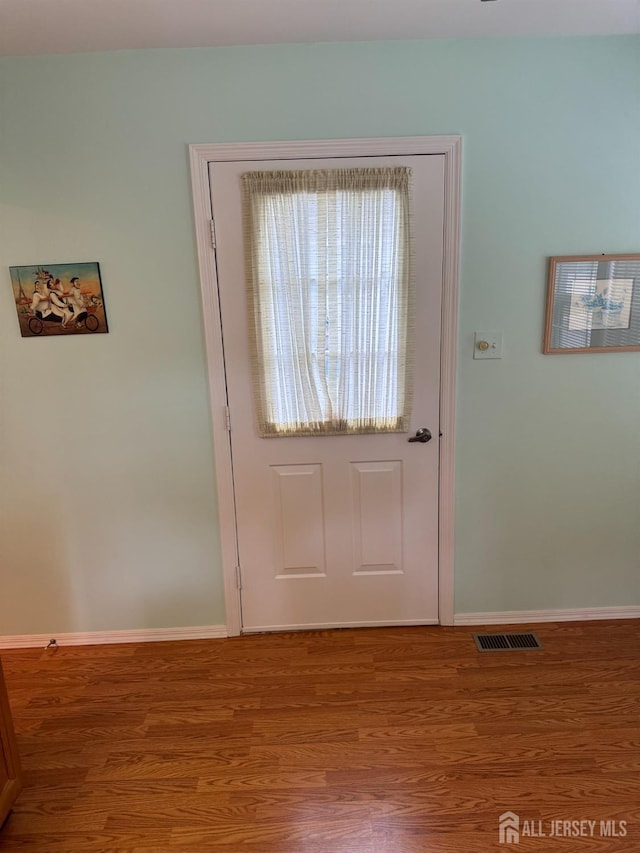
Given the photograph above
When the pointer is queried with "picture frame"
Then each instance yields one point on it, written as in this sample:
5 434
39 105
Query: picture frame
59 299
593 304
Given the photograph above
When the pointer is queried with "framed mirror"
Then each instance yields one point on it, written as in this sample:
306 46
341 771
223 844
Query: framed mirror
593 304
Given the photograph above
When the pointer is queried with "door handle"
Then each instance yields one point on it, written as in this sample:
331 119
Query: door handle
423 435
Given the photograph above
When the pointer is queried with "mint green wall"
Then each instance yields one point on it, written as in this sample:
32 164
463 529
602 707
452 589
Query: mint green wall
108 501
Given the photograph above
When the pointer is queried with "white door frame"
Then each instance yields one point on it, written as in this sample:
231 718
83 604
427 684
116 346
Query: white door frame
200 156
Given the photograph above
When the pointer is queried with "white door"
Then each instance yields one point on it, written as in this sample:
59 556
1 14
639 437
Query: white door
335 530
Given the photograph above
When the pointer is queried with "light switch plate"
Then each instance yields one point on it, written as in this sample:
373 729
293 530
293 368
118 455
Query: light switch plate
487 345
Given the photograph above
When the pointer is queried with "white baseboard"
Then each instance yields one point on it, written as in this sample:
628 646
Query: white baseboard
98 638
522 617
216 632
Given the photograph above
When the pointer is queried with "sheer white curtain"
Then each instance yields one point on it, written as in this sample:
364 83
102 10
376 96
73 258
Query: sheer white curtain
329 273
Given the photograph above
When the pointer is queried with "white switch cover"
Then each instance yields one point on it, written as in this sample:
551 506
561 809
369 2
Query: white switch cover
487 345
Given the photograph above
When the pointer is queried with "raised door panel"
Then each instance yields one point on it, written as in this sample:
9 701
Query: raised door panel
377 517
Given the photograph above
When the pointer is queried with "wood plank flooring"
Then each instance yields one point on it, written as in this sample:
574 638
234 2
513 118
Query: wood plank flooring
356 741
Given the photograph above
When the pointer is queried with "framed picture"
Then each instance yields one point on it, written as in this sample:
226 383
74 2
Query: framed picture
59 299
593 304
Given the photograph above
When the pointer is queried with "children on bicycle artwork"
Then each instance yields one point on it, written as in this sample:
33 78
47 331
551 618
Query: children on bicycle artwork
59 298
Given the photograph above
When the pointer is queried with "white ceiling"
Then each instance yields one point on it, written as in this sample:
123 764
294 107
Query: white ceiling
72 26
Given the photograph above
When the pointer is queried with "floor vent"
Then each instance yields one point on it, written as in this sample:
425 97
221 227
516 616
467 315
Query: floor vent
506 642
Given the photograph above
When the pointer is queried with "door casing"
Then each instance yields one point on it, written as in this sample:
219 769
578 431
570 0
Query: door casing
200 156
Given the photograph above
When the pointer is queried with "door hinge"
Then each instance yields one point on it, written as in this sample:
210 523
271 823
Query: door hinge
213 233
227 418
238 577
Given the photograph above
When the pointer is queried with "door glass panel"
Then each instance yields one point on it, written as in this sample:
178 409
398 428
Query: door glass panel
329 272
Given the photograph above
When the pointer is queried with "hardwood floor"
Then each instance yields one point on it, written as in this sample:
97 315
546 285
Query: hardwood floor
355 741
